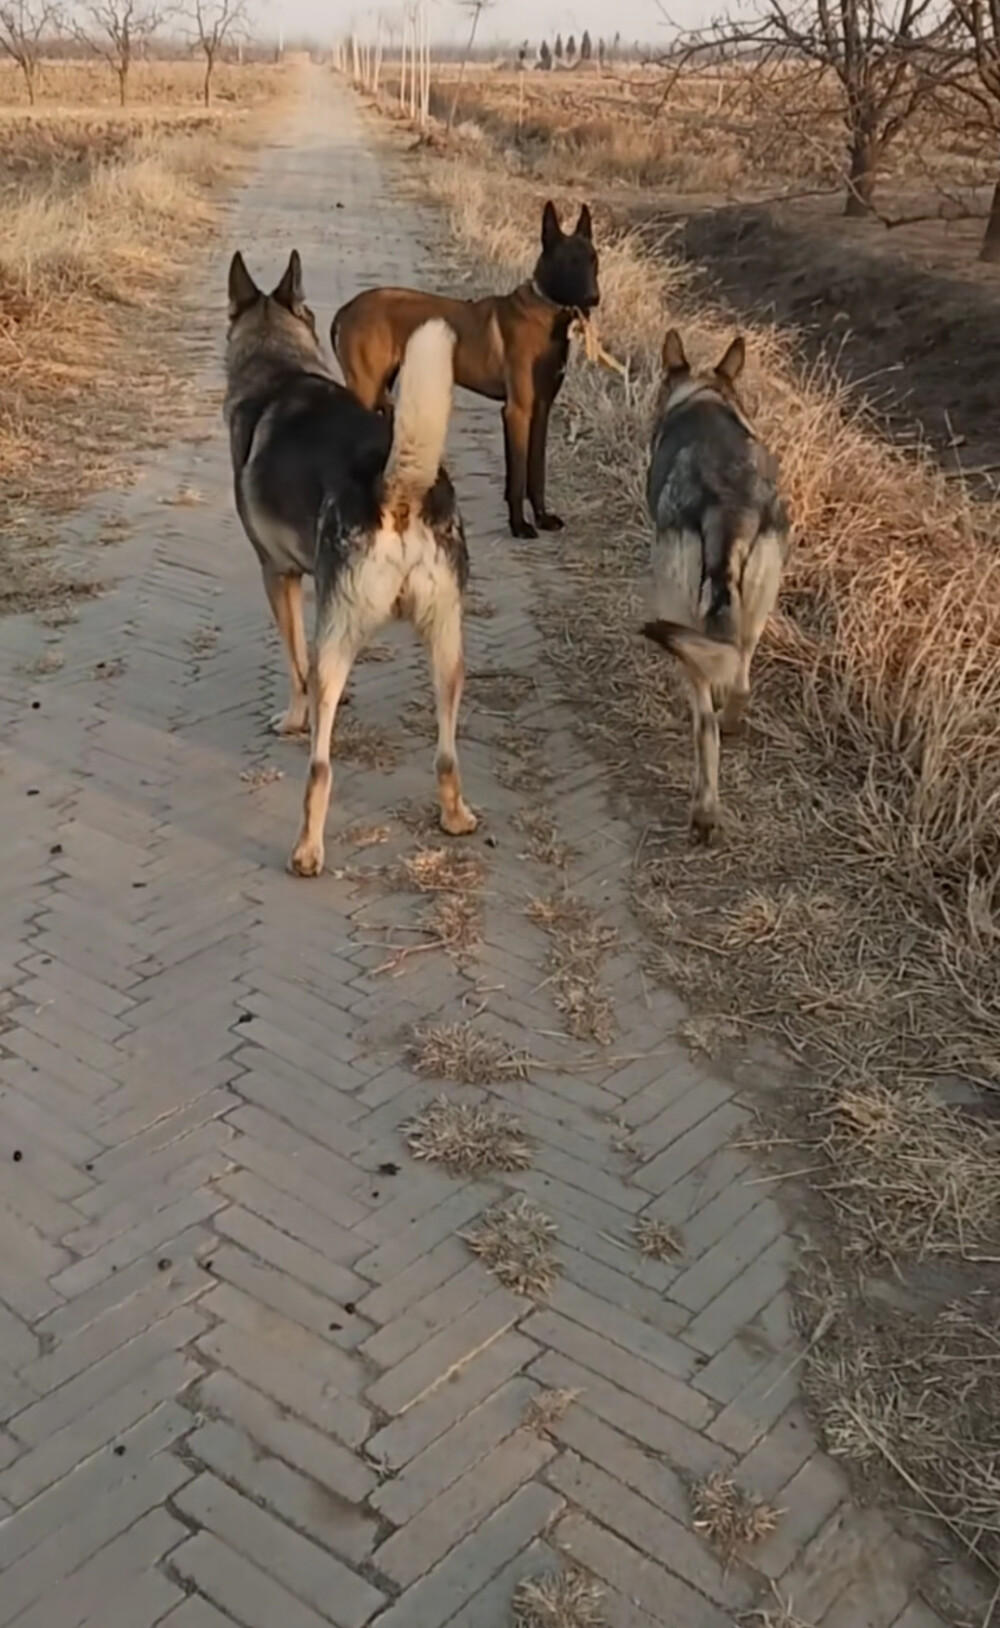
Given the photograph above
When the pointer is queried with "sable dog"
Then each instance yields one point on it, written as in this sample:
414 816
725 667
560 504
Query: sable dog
511 348
722 539
324 485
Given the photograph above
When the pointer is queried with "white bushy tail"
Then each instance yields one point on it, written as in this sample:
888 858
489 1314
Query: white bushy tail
421 415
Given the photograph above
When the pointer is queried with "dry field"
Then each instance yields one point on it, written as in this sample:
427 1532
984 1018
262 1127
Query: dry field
852 913
100 212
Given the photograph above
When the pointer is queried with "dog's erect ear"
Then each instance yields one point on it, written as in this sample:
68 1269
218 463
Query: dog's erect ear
243 291
733 362
585 226
672 355
289 291
552 232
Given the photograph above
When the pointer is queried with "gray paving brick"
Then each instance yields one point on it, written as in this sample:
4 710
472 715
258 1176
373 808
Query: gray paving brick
645 1422
297 1260
248 1595
55 1557
290 1379
740 1303
465 1445
438 1597
117 1585
447 1353
602 1356
309 1573
651 1530
631 1333
709 1136
312 1507
342 1473
667 1599
435 1311
401 1440
194 1612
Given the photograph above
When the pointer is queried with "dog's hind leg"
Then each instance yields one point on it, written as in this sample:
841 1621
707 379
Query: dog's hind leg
756 600
284 595
705 787
333 659
439 623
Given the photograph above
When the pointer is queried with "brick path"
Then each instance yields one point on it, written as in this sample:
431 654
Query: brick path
249 1371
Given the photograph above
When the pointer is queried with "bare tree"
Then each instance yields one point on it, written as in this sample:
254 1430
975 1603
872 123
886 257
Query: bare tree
977 79
475 9
215 23
25 25
119 31
881 56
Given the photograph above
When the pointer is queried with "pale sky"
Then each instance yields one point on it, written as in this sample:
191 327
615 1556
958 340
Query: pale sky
506 21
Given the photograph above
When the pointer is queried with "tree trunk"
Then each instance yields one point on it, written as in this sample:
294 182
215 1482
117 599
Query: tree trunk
864 174
122 73
990 249
28 69
208 81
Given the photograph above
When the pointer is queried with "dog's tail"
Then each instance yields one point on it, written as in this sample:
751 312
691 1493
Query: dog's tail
420 421
713 660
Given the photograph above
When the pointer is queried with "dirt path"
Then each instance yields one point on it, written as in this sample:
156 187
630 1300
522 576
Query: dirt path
250 1372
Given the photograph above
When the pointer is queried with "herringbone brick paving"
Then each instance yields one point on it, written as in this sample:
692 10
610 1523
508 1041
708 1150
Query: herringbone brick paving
250 1372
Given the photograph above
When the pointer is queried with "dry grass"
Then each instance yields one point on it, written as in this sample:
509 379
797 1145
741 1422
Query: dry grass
656 1239
546 1408
513 1243
460 1052
853 911
102 209
444 870
566 1599
366 745
578 944
543 842
467 1138
731 1518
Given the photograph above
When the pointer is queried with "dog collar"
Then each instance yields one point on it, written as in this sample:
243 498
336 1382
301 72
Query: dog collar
540 294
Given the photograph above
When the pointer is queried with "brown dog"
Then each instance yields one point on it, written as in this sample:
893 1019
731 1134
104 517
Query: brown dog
511 348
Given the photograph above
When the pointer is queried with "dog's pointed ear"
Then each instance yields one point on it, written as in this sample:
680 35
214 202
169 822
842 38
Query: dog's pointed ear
289 291
733 362
551 230
585 226
672 355
243 291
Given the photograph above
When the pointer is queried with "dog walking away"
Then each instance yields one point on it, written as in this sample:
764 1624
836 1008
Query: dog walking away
325 485
721 542
511 348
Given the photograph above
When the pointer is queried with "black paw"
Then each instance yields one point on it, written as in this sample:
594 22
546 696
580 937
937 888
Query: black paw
523 528
549 522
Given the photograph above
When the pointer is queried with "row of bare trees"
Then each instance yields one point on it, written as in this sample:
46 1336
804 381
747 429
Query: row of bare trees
120 32
875 65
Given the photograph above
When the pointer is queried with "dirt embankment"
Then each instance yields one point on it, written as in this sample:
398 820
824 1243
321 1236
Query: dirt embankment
921 343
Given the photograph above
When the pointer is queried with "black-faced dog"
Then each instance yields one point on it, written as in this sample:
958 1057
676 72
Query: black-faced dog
720 545
324 485
510 348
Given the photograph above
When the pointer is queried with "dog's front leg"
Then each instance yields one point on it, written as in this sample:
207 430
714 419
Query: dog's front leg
537 443
516 431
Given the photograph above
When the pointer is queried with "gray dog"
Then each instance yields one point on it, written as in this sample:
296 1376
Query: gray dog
721 543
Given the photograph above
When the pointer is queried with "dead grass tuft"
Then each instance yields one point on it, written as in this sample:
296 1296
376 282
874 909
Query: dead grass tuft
467 1138
731 1518
436 870
544 844
364 744
513 1242
261 774
460 1052
578 944
546 1408
566 1599
455 922
655 1239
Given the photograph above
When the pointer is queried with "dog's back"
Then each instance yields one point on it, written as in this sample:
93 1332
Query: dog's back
712 491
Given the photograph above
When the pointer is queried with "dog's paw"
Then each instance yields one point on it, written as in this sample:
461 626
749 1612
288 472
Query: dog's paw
459 821
704 826
307 858
523 529
291 723
550 522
